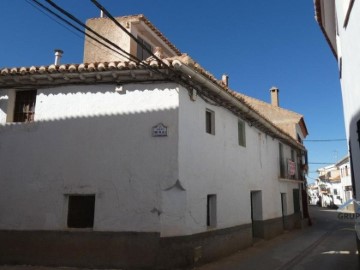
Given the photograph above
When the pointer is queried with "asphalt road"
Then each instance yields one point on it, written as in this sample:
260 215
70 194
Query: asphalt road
329 244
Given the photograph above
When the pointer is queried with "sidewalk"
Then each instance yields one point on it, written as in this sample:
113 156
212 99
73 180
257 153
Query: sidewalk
278 253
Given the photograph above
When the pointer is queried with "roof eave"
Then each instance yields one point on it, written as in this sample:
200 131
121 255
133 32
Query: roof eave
318 17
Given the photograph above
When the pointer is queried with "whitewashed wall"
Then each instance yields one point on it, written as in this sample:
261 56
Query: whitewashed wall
349 46
89 139
216 164
93 140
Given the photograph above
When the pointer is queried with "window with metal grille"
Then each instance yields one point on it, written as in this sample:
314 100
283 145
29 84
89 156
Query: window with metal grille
81 211
24 110
141 53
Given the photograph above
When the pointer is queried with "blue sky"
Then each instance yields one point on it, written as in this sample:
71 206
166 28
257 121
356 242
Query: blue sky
259 44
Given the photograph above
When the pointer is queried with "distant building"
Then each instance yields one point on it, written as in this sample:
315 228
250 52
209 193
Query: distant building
329 184
345 177
140 164
333 185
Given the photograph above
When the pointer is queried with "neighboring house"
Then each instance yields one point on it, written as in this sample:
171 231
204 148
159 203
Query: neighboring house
334 183
313 193
339 21
110 163
330 187
345 177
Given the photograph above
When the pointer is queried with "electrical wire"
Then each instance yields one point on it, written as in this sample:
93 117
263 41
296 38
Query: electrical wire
72 17
123 53
72 25
326 140
69 29
107 13
324 163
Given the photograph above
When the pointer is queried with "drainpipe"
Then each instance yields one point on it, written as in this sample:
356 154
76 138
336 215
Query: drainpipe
219 91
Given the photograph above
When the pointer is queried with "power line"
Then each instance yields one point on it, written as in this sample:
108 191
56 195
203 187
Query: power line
72 17
321 163
107 13
127 55
72 25
326 140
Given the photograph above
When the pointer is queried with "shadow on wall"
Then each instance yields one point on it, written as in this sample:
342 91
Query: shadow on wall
354 149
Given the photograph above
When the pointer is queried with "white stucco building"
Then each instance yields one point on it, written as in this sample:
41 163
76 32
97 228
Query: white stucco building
112 163
339 21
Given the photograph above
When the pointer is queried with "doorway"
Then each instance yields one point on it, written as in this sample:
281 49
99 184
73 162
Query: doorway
283 209
256 214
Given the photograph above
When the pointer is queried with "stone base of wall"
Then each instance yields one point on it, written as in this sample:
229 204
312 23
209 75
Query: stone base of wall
270 228
120 249
292 221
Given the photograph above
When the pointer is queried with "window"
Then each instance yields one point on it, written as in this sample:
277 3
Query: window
299 138
81 211
141 53
358 131
24 106
211 211
281 161
241 133
348 5
210 121
335 191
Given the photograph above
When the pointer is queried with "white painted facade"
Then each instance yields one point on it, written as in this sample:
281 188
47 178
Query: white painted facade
340 21
95 139
333 186
89 140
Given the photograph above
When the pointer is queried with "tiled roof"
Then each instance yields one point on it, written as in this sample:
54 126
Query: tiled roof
277 115
118 72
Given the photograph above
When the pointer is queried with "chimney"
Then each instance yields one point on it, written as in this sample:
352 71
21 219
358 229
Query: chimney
274 92
58 54
225 79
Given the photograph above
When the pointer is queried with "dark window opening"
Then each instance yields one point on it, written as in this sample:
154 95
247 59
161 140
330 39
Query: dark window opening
299 138
141 53
347 17
281 161
241 133
24 110
210 122
358 131
81 211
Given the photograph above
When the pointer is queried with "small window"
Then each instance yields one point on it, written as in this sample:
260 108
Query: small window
348 7
281 161
141 53
210 121
211 211
299 138
358 131
335 191
24 110
241 133
81 211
